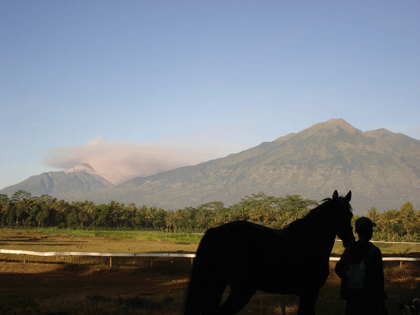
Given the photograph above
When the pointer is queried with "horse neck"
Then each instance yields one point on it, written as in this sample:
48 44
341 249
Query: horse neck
324 229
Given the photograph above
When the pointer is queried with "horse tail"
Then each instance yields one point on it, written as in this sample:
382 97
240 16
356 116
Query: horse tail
201 273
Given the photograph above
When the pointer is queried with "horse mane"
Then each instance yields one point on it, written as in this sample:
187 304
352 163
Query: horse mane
326 203
314 214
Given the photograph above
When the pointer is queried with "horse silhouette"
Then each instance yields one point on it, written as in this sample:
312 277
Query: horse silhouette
250 257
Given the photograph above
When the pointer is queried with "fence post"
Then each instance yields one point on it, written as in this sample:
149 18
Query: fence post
110 261
24 259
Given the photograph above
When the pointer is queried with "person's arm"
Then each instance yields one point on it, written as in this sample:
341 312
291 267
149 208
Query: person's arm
377 272
340 268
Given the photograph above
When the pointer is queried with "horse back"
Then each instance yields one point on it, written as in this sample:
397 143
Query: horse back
264 256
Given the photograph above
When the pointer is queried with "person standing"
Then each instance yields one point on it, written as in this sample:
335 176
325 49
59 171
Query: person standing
361 271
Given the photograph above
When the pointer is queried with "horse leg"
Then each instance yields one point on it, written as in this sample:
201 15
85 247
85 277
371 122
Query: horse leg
214 296
237 299
307 303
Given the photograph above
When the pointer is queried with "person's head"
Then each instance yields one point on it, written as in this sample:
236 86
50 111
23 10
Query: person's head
364 228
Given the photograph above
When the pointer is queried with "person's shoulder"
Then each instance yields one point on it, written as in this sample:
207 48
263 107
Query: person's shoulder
374 247
374 250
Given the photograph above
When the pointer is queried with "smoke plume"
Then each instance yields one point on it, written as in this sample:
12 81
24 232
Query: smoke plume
121 161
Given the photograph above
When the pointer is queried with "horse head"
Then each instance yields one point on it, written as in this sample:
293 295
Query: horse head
343 219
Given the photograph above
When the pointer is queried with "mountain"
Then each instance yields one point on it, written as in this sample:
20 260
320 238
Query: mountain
380 167
77 180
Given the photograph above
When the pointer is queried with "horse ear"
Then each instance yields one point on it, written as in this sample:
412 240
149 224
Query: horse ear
348 197
335 195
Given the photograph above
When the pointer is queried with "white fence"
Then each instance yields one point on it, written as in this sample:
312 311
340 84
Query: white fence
28 252
110 255
387 259
174 255
409 243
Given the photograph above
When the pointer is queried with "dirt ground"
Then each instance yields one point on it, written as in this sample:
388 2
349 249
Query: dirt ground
60 288
84 285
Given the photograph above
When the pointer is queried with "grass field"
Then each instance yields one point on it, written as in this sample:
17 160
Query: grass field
103 242
88 285
133 242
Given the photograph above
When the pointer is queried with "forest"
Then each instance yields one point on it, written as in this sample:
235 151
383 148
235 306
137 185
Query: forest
22 210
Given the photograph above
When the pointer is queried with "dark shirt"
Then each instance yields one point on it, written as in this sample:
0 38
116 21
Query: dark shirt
374 277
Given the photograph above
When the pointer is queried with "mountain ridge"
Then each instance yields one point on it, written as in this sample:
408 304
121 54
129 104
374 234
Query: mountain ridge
380 167
61 184
312 163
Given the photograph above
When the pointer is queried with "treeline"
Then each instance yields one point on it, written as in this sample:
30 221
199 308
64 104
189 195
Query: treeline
24 210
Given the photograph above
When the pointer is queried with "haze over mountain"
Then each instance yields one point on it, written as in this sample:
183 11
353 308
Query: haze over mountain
120 161
380 167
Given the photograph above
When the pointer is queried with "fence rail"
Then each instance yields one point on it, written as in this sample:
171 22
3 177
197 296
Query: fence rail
175 255
28 252
386 242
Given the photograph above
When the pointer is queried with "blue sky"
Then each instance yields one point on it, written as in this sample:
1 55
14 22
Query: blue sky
208 78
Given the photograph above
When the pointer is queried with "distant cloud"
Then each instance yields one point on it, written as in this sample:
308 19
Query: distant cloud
120 161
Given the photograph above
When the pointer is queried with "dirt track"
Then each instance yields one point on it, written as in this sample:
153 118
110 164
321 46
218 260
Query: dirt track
68 288
75 282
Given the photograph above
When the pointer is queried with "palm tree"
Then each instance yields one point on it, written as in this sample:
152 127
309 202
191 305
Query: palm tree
389 219
170 220
258 213
373 214
409 216
22 209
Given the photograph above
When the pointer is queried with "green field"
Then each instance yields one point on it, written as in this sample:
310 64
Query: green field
124 241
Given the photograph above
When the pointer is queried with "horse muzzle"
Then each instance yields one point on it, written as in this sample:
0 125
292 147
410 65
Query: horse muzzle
347 242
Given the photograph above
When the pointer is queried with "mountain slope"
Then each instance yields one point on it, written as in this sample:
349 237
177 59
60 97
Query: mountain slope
380 167
78 180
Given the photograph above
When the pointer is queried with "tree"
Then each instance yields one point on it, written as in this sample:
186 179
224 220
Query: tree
61 208
409 216
22 209
47 198
180 220
297 204
159 219
139 217
4 199
4 208
148 216
84 212
204 218
373 214
43 214
170 221
20 195
211 206
389 220
220 217
258 213
239 212
101 216
72 217
116 209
